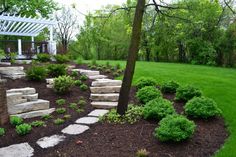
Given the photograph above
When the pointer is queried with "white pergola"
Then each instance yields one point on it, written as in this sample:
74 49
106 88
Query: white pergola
22 26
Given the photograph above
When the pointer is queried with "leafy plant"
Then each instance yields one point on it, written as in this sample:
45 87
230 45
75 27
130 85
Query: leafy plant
148 93
2 131
115 74
132 115
43 57
83 87
82 102
63 84
61 110
61 58
61 102
83 77
78 82
79 110
145 81
73 106
56 70
142 153
108 71
174 128
59 121
94 62
38 123
107 64
157 109
23 129
202 107
14 120
47 117
117 66
67 116
79 61
36 73
169 87
186 93
74 74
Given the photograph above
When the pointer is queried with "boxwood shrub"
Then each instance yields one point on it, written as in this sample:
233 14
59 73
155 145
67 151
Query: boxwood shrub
157 109
202 107
56 70
148 93
63 84
36 73
186 93
145 81
174 128
169 87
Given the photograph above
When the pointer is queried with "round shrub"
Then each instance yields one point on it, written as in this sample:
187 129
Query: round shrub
36 73
174 128
74 74
169 87
61 58
78 82
14 120
56 70
63 84
23 129
186 93
157 109
145 81
43 57
83 87
148 93
2 131
83 77
201 107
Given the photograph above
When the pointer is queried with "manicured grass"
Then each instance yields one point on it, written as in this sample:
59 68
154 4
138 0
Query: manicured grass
216 83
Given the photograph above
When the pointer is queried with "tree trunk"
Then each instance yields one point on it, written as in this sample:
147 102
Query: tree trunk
132 56
182 56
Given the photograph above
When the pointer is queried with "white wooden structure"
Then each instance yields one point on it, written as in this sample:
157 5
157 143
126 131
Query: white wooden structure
22 26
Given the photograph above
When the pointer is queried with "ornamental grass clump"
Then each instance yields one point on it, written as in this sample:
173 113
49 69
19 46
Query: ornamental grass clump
202 107
185 93
174 128
157 109
147 94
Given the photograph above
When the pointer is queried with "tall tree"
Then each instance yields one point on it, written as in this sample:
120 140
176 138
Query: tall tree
132 56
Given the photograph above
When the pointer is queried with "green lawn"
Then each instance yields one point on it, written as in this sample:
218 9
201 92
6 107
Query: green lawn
217 83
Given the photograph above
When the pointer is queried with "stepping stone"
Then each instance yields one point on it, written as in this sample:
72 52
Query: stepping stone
105 89
29 106
49 80
87 120
97 77
49 86
90 73
75 129
105 97
101 83
98 113
51 141
33 114
24 91
104 105
17 150
31 97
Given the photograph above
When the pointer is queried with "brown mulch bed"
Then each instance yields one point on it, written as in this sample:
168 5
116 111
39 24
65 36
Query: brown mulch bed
106 140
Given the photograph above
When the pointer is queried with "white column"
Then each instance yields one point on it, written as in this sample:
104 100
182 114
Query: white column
19 47
51 33
32 40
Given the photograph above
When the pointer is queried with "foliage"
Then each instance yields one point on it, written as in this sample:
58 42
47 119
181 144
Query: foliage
79 110
82 103
61 59
43 57
186 93
56 70
79 61
63 84
36 73
142 153
132 115
169 87
37 123
83 87
174 128
59 121
202 107
2 54
145 81
147 94
14 120
157 109
78 83
23 129
47 117
2 132
67 116
73 106
74 74
61 110
60 102
83 77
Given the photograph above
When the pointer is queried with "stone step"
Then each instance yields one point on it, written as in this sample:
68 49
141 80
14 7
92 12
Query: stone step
51 141
98 113
50 81
90 73
104 105
105 79
105 89
101 83
31 97
29 106
87 120
33 114
17 150
75 129
14 99
97 77
105 97
16 68
24 91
